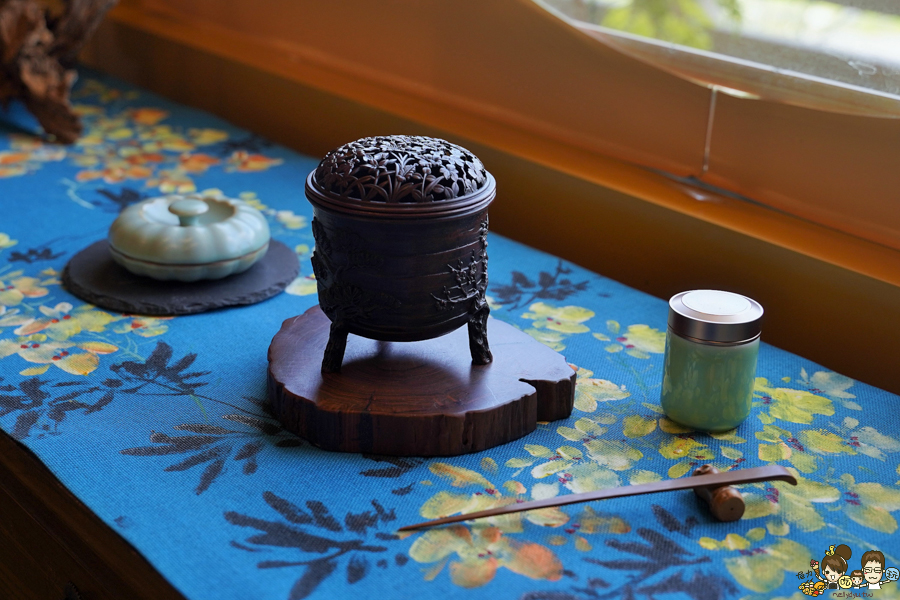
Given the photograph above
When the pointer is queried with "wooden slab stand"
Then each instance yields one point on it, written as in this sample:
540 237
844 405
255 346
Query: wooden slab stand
415 398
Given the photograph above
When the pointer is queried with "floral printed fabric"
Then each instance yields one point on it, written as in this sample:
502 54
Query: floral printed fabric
161 426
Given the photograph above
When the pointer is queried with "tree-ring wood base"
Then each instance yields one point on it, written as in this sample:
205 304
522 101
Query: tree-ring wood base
415 398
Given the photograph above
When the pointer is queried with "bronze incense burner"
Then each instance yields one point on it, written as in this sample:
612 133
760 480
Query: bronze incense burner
401 228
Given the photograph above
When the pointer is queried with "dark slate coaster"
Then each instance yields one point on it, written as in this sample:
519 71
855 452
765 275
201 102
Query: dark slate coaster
93 276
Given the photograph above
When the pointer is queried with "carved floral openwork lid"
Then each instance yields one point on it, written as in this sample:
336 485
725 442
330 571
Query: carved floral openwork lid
400 174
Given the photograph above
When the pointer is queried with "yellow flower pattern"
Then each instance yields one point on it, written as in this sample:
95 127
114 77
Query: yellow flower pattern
475 553
131 145
639 341
551 325
67 337
606 445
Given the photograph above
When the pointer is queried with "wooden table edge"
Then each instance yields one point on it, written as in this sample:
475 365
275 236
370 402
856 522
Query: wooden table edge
113 562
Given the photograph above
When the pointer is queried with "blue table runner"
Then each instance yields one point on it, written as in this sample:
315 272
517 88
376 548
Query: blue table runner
161 427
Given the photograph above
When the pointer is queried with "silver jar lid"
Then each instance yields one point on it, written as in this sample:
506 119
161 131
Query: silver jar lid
715 316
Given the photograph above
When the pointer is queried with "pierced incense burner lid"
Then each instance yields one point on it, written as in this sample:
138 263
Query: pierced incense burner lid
188 237
400 175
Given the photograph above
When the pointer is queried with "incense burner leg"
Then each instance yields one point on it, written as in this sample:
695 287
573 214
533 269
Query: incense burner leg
478 339
334 350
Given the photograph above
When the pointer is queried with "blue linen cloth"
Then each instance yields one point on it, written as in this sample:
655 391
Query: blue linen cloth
161 426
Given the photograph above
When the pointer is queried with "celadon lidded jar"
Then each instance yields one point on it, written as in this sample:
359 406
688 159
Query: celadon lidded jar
189 237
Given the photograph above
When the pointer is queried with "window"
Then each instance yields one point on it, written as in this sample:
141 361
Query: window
787 50
839 58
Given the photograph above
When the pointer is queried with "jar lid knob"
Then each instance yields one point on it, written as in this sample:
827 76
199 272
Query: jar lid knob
188 211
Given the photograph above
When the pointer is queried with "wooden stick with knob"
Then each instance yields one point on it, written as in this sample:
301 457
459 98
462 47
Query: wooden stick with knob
725 502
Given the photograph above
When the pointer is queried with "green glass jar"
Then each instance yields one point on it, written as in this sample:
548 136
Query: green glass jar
710 362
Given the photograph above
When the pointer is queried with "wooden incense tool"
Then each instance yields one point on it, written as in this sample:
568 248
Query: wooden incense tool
711 485
725 502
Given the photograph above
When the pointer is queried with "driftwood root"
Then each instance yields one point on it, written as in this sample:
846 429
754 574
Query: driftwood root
39 41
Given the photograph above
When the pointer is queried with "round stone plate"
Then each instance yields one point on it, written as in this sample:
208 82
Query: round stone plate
93 276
